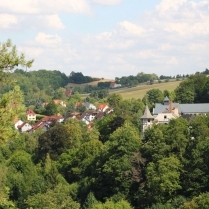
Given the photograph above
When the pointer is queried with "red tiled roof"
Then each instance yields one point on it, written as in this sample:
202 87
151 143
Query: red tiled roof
57 101
46 120
112 84
20 126
79 104
68 93
30 112
101 106
39 124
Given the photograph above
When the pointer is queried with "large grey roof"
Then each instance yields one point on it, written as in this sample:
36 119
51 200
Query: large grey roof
183 108
147 114
159 108
194 108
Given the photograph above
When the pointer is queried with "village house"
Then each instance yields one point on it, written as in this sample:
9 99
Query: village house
24 127
68 93
56 101
72 115
88 116
102 107
183 109
114 85
59 102
31 115
46 122
79 104
17 123
89 106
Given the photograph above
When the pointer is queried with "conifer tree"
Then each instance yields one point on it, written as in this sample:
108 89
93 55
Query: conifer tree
11 102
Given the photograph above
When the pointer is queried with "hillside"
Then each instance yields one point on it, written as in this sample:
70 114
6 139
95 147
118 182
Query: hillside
94 83
140 90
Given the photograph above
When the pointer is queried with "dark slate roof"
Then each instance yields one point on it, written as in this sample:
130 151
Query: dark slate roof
183 108
147 114
166 99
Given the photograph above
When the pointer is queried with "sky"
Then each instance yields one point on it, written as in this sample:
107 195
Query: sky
110 38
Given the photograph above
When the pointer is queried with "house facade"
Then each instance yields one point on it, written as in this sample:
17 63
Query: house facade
114 85
31 115
24 127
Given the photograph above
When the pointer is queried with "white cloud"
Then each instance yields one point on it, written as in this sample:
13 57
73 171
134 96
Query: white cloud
32 52
107 2
173 61
44 7
48 40
170 40
183 17
131 28
52 21
7 21
168 5
40 14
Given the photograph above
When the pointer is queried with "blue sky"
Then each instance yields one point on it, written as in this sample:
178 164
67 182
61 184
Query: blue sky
110 38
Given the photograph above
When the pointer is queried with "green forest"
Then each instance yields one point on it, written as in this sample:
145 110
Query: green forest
110 166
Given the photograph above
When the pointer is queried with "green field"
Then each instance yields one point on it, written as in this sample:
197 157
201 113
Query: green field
140 91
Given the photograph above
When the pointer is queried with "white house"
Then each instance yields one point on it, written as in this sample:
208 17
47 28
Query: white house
24 127
89 106
88 116
18 123
164 117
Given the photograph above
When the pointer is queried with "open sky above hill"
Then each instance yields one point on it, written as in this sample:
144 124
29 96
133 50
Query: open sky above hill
110 38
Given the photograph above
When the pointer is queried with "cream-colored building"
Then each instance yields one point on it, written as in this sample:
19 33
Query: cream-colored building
31 115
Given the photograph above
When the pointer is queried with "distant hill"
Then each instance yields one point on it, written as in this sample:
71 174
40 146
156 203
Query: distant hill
94 83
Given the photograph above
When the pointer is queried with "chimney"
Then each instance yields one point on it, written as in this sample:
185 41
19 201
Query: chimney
170 107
